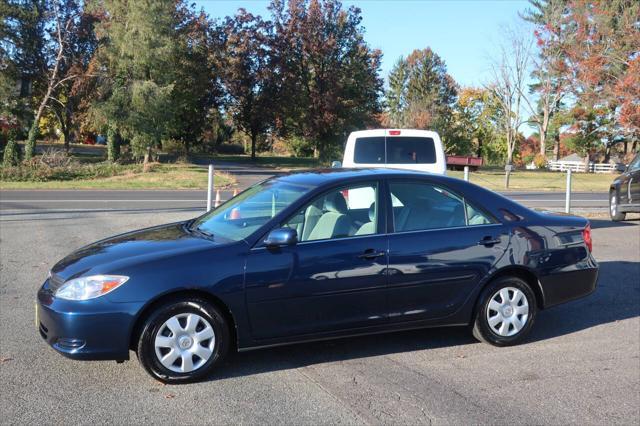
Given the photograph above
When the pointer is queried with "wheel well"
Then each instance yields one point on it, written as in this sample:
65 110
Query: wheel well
224 310
526 275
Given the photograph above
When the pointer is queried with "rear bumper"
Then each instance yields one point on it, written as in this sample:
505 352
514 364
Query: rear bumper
563 286
86 330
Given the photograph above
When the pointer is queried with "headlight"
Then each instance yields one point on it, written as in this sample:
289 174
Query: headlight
90 287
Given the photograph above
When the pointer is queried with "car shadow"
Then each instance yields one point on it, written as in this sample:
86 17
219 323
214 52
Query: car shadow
617 297
605 223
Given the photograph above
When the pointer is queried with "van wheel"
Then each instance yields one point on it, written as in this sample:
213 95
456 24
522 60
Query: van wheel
505 312
183 341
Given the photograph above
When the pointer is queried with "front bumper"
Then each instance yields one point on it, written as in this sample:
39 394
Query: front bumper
89 330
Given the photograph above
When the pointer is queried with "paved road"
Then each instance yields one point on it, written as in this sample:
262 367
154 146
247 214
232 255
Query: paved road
186 199
581 364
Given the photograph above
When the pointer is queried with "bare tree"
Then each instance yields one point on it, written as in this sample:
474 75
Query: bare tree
63 26
509 74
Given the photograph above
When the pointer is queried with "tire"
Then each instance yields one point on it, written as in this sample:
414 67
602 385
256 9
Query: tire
518 319
191 332
614 207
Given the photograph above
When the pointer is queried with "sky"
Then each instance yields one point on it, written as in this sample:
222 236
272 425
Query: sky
464 33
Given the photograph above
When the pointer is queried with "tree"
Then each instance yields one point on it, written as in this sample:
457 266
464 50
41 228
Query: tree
197 88
550 83
64 16
598 44
422 94
327 76
246 74
509 72
138 46
23 57
477 117
69 100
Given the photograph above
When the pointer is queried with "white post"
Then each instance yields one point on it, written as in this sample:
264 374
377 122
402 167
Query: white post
210 187
567 199
466 173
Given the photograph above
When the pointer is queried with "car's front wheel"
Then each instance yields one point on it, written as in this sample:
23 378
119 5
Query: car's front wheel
505 312
183 340
614 208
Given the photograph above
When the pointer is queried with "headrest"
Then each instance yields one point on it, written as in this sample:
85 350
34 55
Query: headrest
335 203
372 212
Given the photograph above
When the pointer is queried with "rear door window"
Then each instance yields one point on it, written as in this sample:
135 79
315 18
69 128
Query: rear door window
410 150
369 150
394 150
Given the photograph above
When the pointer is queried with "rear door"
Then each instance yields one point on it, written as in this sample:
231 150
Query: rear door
439 250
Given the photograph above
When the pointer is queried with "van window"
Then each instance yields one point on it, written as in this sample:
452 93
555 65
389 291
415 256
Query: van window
410 150
369 150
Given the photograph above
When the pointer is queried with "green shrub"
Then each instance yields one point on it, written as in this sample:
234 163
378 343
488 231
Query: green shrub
57 165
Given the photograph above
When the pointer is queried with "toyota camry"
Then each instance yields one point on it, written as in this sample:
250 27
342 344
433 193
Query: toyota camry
315 255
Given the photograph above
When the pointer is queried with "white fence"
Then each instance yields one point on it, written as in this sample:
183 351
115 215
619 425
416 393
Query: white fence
579 166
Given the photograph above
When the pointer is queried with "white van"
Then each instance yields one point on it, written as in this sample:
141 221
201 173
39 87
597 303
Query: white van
407 149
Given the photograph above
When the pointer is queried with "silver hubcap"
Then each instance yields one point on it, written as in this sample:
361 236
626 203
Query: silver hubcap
612 205
185 342
508 311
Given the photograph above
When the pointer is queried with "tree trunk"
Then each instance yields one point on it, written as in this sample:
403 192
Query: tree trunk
626 147
543 144
147 156
112 154
586 163
607 153
65 134
556 147
254 137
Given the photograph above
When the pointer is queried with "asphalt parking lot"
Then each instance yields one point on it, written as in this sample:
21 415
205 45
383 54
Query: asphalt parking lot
581 364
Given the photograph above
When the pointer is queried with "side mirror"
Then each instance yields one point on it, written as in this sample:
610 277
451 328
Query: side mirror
621 167
336 164
281 237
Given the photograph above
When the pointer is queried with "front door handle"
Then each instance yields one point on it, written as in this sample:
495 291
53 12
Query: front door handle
488 241
371 254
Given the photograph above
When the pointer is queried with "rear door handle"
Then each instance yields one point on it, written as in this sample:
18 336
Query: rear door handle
487 241
371 254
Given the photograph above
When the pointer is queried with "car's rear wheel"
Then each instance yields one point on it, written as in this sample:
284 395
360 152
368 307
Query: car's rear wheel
614 208
183 340
505 312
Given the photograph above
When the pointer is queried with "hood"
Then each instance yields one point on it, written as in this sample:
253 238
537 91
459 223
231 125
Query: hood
108 255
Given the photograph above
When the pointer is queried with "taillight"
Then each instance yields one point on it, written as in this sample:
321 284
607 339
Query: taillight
586 236
394 132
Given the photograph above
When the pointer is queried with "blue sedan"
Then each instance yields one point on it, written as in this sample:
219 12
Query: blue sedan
315 255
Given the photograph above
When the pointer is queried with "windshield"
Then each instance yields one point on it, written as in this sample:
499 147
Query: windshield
239 217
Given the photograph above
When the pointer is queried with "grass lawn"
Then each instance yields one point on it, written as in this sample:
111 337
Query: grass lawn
163 176
538 180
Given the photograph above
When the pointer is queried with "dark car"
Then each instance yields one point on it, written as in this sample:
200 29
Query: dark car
316 255
624 194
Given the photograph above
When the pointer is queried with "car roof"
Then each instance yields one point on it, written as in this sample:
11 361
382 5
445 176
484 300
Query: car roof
317 177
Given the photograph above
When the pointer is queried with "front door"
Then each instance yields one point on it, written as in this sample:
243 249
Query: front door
440 249
633 188
333 278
